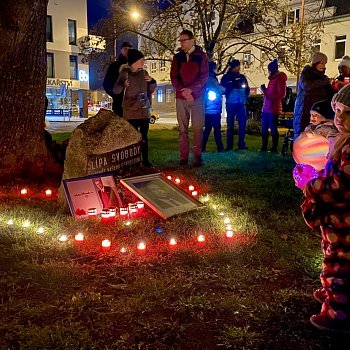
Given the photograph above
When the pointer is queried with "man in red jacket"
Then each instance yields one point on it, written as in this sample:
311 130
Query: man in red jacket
189 73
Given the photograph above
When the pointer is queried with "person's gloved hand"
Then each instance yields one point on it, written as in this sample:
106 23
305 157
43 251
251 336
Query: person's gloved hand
302 174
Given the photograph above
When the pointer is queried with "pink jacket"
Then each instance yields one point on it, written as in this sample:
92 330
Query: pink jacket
274 93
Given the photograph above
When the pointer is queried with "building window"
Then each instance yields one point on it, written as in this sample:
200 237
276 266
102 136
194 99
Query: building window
73 67
316 47
162 66
169 93
159 95
292 17
49 29
153 67
340 46
72 32
50 65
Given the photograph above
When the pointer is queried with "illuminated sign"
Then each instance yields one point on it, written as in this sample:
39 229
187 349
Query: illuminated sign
83 76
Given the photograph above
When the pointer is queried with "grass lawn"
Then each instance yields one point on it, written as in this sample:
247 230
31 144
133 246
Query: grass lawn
251 292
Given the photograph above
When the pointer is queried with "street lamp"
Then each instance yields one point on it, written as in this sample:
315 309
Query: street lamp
135 15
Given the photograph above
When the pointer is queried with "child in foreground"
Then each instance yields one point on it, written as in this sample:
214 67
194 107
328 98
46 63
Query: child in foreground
327 208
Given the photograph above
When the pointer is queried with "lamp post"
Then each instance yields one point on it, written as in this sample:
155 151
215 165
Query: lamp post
301 42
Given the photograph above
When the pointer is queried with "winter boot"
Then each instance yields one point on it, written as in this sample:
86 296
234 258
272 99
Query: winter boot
265 140
274 147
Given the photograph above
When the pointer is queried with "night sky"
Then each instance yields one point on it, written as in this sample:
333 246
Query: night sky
97 9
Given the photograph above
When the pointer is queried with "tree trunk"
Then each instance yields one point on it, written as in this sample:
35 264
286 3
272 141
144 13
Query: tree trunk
22 90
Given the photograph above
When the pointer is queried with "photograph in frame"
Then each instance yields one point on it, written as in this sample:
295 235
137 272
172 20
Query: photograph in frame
97 191
161 195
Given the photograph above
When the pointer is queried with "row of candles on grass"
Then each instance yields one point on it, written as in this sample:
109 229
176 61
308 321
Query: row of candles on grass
124 212
106 244
24 192
190 187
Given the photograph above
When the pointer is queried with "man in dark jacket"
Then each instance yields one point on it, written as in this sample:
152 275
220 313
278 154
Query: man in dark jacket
112 76
236 91
189 73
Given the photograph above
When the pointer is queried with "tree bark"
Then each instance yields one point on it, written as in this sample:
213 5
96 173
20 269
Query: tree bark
22 90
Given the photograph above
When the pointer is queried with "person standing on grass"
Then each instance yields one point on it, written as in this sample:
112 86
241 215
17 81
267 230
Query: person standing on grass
236 91
327 208
138 87
313 86
213 108
189 74
112 76
344 77
272 106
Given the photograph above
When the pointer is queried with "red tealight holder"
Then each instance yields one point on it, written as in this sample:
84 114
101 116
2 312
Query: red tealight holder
79 237
190 188
194 193
132 208
177 180
105 213
112 212
141 246
172 242
24 192
123 250
106 244
201 238
92 212
229 233
48 193
123 213
140 205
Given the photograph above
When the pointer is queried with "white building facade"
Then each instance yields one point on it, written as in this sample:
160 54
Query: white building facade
67 85
333 40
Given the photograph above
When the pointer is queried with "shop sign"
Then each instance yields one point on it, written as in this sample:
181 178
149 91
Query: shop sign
58 82
116 160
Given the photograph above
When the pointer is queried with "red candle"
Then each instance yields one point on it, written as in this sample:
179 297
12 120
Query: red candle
177 180
140 205
229 233
201 238
92 211
123 250
106 244
141 246
48 193
172 242
112 212
123 212
24 191
190 188
169 177
105 213
79 237
194 193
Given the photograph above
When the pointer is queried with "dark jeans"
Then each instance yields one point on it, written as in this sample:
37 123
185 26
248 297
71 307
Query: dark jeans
213 121
142 125
269 121
236 110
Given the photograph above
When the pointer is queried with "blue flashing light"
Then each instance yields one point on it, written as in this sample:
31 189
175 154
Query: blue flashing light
211 95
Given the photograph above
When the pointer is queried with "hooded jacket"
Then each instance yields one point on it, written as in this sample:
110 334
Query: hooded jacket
313 86
191 74
236 87
274 93
136 101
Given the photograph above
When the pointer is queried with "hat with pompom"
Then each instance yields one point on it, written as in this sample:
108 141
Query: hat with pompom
342 96
345 61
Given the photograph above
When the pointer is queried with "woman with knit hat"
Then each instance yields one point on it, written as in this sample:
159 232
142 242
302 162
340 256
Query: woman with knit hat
138 87
327 208
344 77
272 107
313 86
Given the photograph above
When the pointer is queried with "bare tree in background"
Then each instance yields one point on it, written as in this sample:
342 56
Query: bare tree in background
224 28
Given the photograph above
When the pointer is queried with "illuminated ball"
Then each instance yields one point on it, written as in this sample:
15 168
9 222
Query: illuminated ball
312 150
